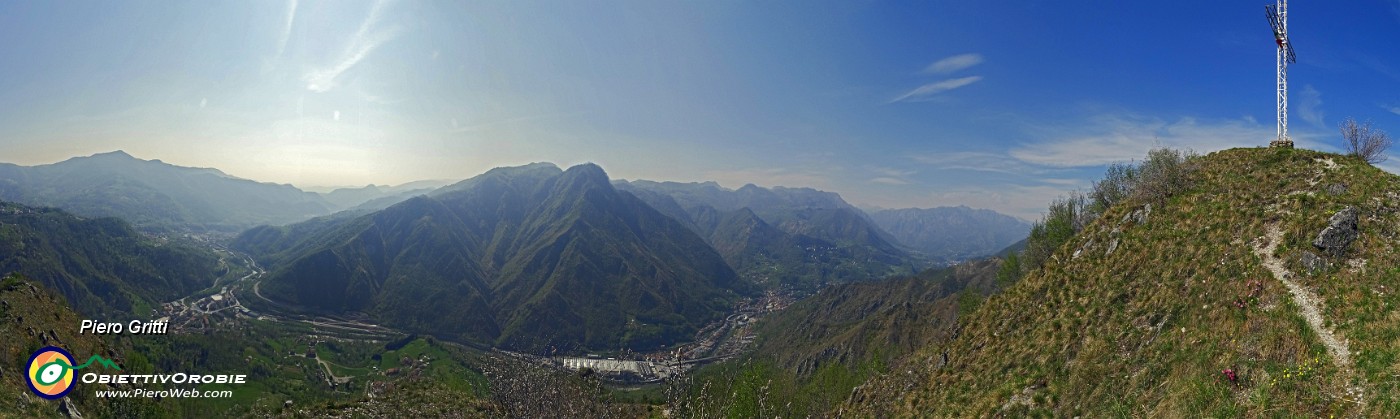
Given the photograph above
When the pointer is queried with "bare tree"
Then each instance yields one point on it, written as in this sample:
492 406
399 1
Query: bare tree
1364 141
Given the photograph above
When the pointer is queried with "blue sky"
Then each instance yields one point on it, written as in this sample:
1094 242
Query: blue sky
892 104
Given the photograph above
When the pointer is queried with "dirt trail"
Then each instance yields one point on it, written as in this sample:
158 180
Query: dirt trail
1307 303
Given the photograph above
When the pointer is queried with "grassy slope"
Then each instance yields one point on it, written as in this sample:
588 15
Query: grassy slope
28 311
1147 329
809 356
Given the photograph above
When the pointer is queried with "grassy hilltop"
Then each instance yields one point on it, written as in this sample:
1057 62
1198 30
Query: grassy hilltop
1147 329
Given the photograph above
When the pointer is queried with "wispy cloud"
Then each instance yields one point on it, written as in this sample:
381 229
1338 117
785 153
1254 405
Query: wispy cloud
891 176
976 161
892 172
1392 109
361 44
953 64
460 128
1375 64
1309 102
287 27
1063 182
1119 138
931 89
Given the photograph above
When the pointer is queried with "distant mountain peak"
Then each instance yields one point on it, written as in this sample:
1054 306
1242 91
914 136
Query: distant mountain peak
588 174
545 167
154 193
588 169
114 154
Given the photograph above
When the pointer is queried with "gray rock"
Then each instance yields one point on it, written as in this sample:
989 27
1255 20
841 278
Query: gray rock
1312 262
1138 216
1341 230
1336 188
68 409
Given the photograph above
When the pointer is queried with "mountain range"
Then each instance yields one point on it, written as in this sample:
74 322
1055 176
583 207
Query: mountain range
376 197
796 237
524 258
152 193
1213 299
159 196
951 234
517 257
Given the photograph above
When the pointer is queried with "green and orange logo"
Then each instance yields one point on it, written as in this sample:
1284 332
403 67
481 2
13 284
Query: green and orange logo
51 371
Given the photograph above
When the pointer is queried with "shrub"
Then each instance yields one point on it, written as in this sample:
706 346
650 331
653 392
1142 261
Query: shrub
1010 269
1067 216
1117 184
1165 172
1364 141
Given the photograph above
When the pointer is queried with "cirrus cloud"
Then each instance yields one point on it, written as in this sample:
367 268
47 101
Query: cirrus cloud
931 89
1119 138
953 64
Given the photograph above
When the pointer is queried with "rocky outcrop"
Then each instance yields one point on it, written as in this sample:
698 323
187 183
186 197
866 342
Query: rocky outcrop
67 409
1341 230
1312 262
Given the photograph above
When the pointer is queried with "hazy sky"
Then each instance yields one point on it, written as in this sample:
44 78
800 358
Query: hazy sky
1000 105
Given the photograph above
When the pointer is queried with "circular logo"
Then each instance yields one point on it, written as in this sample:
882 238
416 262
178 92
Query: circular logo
50 372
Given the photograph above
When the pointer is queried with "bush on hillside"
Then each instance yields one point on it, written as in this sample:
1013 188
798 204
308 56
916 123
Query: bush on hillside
1067 217
1364 141
1165 172
1117 184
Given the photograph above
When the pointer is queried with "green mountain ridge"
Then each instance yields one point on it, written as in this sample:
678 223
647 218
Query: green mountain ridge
525 258
102 266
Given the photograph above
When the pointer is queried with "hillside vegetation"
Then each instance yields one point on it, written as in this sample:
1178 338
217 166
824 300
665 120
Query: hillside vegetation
1172 311
32 317
101 266
809 356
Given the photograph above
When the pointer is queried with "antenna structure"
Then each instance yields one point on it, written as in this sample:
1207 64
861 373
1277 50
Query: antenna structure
1278 18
